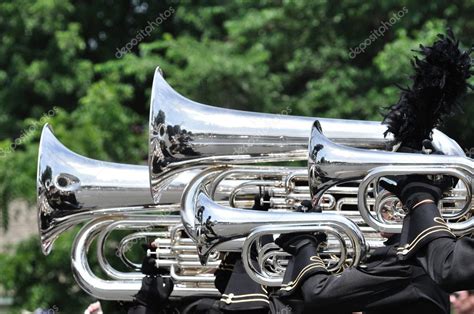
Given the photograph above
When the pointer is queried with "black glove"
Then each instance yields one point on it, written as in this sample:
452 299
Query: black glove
307 207
262 203
427 149
149 261
154 292
413 189
293 242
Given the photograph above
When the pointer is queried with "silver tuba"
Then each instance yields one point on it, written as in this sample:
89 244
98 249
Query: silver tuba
185 134
215 226
121 286
330 164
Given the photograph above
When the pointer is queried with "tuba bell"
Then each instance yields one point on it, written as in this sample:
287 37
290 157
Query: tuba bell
72 189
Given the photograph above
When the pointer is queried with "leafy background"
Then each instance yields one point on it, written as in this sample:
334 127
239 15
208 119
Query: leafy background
265 56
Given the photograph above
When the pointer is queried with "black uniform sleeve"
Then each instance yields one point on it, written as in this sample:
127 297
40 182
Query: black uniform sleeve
427 238
301 266
242 294
449 263
353 289
421 226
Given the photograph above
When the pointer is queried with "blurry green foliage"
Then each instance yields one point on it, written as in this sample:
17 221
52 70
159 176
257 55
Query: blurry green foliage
42 281
269 55
46 281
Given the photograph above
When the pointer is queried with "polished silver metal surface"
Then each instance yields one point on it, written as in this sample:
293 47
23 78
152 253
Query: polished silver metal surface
330 164
185 137
72 189
88 178
128 285
175 255
352 244
459 229
186 134
70 185
277 182
287 187
212 225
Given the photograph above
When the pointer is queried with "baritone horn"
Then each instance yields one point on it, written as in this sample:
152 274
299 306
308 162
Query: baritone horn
330 163
184 134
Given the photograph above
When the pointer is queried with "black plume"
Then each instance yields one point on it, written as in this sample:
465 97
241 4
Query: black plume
439 83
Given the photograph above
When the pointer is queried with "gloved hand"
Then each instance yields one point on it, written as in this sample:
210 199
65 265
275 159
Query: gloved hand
149 261
307 207
293 242
412 189
262 203
430 149
427 149
155 290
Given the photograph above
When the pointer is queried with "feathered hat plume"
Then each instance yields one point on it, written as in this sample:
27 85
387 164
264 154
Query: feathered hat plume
439 83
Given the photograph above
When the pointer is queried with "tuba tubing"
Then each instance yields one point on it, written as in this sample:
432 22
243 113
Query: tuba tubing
328 223
458 228
212 225
114 289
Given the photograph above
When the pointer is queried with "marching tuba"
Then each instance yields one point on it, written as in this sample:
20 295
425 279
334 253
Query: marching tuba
330 164
212 226
184 134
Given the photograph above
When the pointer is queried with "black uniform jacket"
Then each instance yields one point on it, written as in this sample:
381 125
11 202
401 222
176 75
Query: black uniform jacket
427 241
384 284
